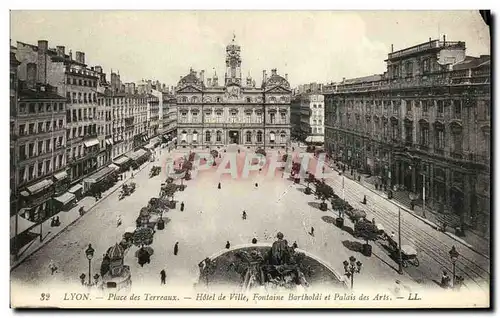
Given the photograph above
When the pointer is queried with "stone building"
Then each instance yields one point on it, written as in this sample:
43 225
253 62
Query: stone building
307 115
213 115
153 115
425 121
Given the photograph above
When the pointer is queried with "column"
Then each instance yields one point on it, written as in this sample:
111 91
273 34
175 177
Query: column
467 208
447 187
413 177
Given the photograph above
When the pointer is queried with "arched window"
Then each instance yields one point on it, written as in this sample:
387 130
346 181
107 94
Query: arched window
219 136
272 137
272 100
195 136
194 99
248 136
283 99
183 136
207 136
259 136
283 136
184 99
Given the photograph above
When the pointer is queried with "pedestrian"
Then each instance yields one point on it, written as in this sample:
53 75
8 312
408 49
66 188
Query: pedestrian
218 186
312 231
295 244
163 277
254 241
228 245
182 206
176 248
53 222
57 222
52 267
244 215
445 280
256 185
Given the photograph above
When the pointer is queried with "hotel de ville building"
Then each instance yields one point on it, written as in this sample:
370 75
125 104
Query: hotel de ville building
211 115
422 125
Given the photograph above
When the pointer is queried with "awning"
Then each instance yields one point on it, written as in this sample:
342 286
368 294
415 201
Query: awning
121 160
61 175
149 147
154 140
22 225
25 193
75 188
136 155
109 141
99 175
65 198
145 138
315 139
114 166
37 187
91 142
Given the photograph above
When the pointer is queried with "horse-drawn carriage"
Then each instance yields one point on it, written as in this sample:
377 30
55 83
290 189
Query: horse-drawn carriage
408 253
155 170
127 189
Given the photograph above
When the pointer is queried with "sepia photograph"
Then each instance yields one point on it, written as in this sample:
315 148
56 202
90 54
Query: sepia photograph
250 159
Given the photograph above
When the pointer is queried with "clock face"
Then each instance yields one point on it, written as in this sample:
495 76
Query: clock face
233 63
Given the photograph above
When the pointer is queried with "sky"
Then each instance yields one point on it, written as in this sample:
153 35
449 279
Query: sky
309 46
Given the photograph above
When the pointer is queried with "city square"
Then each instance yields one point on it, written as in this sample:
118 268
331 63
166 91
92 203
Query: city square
254 168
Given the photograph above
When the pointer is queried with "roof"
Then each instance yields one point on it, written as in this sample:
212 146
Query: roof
190 79
369 78
115 252
472 62
29 94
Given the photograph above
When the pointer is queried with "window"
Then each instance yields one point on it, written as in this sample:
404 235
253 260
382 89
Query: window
283 117
259 136
396 107
22 152
426 66
425 106
207 136
31 129
219 136
40 169
61 106
80 82
248 137
22 108
457 108
48 107
31 150
47 165
272 137
440 142
409 69
31 108
249 100
440 107
40 107
272 117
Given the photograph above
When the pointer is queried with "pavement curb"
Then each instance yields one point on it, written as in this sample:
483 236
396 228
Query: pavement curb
431 224
69 224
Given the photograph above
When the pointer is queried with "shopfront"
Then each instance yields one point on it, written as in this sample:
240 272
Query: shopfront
138 157
65 201
123 163
100 181
36 201
77 190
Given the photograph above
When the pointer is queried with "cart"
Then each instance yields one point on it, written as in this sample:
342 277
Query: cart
408 255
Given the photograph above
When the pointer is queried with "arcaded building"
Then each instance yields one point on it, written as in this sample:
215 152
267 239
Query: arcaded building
212 115
424 123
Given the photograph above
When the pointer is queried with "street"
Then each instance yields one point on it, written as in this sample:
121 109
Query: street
213 216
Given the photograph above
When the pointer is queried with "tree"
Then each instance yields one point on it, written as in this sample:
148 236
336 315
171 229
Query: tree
367 231
143 236
324 192
187 165
191 157
214 153
169 190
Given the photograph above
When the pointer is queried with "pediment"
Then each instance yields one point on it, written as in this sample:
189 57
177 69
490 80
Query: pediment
278 89
189 89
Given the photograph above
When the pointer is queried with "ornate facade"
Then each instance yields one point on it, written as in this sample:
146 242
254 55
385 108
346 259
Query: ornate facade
425 122
212 115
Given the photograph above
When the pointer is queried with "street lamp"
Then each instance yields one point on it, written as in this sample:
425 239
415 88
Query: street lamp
454 254
352 267
89 252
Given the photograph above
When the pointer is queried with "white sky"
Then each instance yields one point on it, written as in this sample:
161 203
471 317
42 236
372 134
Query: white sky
311 46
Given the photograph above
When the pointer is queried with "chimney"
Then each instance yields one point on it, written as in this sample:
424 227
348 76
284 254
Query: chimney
286 76
60 51
202 76
430 39
274 71
444 39
80 57
98 69
42 61
264 76
31 75
70 55
392 48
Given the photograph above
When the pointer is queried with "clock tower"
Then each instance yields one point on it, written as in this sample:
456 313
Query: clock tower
233 64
